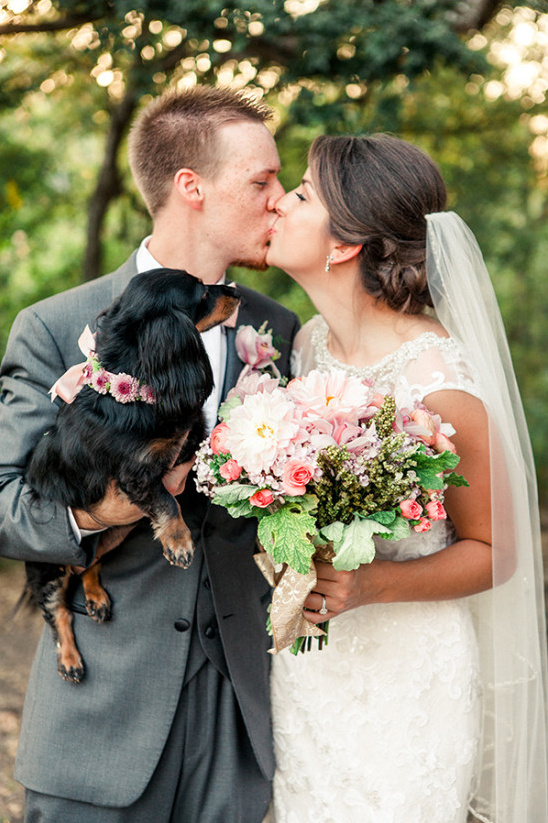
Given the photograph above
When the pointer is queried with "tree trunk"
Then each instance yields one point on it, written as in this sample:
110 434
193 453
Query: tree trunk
108 184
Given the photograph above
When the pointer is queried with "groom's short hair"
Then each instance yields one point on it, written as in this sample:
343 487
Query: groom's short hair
180 129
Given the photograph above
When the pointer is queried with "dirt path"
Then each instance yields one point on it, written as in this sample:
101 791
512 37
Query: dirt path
18 642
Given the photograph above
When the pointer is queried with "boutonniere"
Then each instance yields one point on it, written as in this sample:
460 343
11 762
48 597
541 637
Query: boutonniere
256 350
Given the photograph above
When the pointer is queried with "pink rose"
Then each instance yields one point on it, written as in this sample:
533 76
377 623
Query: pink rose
424 420
423 525
218 438
230 470
410 509
442 444
262 498
255 349
435 510
296 475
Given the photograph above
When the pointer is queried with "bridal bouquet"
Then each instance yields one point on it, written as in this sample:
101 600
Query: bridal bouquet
324 464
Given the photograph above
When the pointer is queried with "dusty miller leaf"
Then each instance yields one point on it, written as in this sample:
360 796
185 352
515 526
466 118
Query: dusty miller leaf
354 544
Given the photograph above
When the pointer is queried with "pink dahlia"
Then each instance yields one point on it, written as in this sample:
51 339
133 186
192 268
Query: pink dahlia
260 430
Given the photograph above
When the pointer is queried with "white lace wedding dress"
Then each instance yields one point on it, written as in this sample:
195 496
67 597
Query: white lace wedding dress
382 725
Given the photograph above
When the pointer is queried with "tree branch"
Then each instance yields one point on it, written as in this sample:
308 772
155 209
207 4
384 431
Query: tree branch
108 183
472 15
61 24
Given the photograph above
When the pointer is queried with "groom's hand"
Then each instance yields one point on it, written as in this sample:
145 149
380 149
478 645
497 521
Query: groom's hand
115 509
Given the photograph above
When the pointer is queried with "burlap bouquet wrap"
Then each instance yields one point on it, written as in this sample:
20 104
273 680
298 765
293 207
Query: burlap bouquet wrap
290 592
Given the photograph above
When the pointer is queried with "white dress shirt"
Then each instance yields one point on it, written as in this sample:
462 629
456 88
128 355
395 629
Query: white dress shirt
214 342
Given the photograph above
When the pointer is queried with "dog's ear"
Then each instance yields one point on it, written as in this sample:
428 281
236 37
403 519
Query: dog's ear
174 363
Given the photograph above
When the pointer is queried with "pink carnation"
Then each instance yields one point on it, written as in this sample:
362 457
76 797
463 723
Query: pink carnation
297 474
230 470
435 510
410 509
423 525
262 498
123 387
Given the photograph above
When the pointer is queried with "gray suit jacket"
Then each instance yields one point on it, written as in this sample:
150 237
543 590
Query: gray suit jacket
103 738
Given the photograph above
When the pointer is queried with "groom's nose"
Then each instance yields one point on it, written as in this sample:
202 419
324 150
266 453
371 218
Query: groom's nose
276 195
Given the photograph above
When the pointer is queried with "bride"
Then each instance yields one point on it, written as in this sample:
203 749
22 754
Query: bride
428 703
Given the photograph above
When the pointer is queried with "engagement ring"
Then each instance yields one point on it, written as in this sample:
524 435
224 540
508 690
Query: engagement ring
323 609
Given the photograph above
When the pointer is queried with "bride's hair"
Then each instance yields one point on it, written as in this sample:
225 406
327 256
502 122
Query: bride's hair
377 191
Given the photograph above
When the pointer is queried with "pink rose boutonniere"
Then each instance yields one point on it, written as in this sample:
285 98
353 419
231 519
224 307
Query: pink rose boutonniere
256 349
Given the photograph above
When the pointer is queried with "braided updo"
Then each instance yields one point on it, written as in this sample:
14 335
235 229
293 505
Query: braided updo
377 191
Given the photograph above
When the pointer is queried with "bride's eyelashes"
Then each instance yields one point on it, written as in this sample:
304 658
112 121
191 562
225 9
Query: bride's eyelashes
301 197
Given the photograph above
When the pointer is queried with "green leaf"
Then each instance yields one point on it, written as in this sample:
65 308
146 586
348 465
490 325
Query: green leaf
226 408
308 502
355 545
399 529
286 536
429 467
233 493
454 479
235 499
241 509
386 517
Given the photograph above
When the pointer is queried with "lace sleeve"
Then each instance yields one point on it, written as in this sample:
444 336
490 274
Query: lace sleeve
303 356
438 367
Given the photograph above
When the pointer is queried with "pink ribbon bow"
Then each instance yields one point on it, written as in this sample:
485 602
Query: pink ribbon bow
74 379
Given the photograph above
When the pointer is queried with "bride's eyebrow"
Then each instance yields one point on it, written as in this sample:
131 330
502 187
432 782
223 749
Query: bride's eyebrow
306 182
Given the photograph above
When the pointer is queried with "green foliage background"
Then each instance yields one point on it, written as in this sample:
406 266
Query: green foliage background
410 73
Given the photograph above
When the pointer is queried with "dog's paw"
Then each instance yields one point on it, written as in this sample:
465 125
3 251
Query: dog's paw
72 672
99 609
177 543
181 556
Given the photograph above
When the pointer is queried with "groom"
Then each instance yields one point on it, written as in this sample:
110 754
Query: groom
171 722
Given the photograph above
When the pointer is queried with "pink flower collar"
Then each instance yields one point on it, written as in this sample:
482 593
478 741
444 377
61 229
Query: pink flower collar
122 387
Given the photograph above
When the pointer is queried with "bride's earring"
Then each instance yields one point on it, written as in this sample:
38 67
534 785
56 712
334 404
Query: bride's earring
328 262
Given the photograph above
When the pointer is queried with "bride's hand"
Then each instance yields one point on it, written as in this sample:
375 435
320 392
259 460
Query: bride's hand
345 590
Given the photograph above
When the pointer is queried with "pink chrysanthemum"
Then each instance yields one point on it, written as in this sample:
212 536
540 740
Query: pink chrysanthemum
100 381
147 395
123 387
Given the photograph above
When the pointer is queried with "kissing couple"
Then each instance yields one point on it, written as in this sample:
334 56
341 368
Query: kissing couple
428 702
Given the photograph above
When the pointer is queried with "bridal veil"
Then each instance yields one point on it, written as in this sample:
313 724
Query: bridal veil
512 774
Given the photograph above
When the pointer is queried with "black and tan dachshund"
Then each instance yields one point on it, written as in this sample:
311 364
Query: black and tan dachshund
149 337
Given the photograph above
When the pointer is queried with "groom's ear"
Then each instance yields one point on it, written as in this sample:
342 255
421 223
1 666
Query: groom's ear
344 252
187 183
